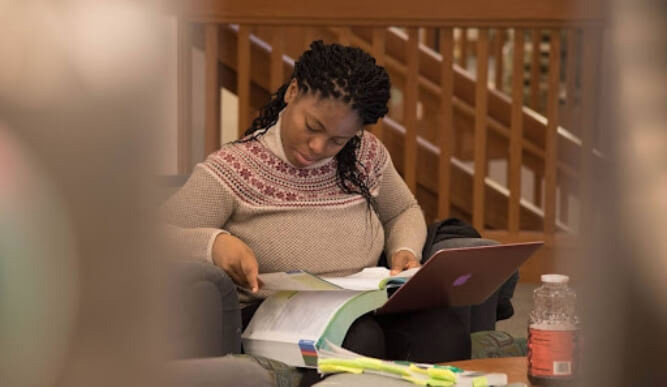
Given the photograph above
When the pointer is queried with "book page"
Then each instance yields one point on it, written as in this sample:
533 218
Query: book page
295 280
371 278
293 316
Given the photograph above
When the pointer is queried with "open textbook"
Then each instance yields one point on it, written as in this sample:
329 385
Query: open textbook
306 310
370 278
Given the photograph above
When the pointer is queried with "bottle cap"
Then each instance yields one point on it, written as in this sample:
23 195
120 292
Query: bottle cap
555 278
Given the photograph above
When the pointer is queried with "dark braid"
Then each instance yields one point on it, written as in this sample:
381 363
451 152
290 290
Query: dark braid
344 73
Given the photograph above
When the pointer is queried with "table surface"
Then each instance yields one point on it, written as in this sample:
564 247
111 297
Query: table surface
515 367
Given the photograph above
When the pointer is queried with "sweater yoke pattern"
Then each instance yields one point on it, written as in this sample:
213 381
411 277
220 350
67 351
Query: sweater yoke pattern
257 177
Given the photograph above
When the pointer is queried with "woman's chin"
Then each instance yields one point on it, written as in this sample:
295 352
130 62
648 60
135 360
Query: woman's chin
301 162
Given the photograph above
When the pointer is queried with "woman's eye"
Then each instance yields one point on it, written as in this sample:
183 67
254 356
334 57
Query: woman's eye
339 142
310 128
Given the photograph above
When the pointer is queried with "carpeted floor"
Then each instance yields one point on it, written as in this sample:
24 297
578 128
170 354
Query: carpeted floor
522 302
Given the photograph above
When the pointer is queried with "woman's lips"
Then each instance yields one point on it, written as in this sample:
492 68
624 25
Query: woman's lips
302 160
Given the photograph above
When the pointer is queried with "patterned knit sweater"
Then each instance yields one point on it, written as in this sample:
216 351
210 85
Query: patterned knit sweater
295 218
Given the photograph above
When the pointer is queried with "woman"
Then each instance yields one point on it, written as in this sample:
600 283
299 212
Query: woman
308 189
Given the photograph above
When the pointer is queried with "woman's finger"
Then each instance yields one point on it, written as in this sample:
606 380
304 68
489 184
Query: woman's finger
250 272
413 263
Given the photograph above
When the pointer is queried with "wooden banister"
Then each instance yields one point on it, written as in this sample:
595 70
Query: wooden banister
464 88
428 155
423 13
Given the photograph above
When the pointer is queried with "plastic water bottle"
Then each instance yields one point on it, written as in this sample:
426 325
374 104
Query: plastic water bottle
553 332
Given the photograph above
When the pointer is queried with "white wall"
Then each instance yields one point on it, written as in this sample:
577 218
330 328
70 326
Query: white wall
167 147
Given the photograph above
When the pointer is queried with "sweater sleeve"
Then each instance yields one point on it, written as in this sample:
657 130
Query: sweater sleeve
400 214
195 214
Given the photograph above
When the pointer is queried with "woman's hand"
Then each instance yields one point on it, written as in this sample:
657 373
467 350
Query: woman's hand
237 259
403 260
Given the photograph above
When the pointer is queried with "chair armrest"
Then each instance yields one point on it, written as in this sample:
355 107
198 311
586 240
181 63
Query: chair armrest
205 311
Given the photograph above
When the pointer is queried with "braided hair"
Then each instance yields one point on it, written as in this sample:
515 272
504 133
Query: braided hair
343 73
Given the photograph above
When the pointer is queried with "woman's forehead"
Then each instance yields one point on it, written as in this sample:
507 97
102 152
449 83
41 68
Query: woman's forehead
335 115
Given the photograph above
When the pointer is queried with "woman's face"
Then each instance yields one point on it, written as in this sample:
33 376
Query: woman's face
313 129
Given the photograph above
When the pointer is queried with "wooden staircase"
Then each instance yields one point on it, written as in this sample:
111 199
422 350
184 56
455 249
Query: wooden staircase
540 144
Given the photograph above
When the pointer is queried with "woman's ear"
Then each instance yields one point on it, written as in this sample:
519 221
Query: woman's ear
291 92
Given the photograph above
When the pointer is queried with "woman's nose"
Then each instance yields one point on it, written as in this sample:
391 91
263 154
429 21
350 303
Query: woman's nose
317 145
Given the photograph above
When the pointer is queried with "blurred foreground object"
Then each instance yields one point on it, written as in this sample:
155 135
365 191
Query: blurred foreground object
625 271
38 271
80 90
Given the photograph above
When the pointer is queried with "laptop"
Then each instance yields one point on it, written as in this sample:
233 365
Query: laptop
459 277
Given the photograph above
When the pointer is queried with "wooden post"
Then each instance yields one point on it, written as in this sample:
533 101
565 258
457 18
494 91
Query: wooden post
570 120
516 136
277 66
550 170
410 109
535 70
479 185
499 43
463 48
446 120
344 36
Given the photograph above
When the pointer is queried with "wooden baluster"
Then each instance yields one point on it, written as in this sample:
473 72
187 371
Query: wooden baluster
570 120
446 121
410 109
212 90
480 128
432 38
463 46
537 188
516 136
499 42
590 78
184 98
308 37
243 78
378 49
535 71
277 65
551 138
344 36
